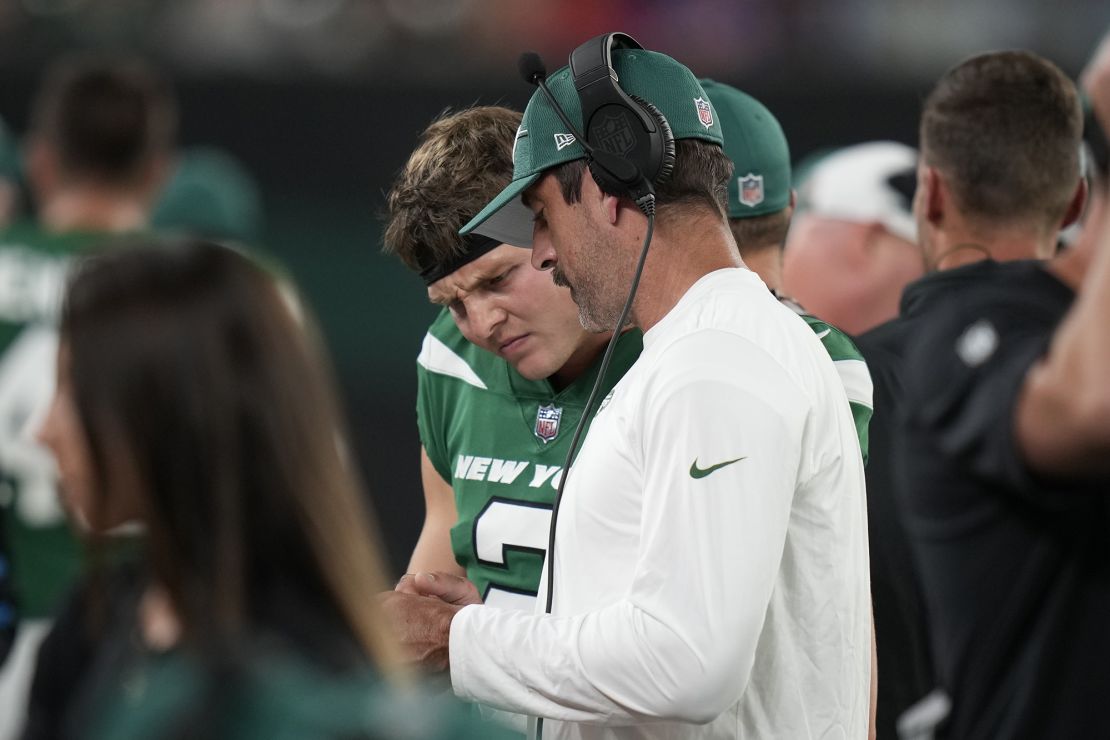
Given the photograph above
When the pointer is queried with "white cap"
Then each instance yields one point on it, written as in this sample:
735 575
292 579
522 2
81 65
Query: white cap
858 183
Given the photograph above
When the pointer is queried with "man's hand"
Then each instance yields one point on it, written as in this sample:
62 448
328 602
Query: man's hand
422 625
446 587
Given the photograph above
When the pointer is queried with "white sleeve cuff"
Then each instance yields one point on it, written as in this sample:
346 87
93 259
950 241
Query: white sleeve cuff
459 642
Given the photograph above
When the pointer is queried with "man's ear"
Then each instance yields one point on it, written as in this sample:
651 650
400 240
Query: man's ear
1075 207
793 204
612 207
592 192
937 198
871 242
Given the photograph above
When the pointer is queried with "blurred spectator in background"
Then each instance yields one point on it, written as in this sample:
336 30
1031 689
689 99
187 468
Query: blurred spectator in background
1062 422
100 145
9 204
100 142
1005 466
193 398
998 178
211 194
853 245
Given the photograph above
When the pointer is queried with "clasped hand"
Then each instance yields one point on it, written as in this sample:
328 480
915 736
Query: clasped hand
420 610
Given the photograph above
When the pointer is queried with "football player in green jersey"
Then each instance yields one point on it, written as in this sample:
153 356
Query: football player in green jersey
100 142
760 206
504 370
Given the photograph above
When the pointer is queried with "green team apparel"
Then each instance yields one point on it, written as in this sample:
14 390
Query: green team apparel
45 555
852 369
500 441
276 697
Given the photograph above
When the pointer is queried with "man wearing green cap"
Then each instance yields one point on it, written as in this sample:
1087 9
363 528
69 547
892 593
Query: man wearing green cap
710 561
760 206
100 141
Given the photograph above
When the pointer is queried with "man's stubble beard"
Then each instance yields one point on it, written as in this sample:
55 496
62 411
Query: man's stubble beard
596 295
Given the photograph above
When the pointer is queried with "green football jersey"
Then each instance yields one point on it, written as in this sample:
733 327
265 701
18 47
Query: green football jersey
45 555
273 697
850 366
500 441
853 372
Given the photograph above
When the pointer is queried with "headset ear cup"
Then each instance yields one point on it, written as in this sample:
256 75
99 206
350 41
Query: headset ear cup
605 181
666 167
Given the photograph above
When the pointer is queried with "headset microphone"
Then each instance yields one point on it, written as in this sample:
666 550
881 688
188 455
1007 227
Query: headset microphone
531 67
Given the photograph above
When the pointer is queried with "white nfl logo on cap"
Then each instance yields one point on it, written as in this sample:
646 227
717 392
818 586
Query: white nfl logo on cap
751 189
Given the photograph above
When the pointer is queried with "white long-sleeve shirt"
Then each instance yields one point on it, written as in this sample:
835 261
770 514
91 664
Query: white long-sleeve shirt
711 572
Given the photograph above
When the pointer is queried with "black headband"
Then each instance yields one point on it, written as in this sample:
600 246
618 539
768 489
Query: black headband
474 246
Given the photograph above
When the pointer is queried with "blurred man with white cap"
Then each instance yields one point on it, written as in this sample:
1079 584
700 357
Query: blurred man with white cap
852 246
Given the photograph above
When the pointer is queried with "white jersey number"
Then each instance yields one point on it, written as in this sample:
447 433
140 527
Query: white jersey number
510 525
26 385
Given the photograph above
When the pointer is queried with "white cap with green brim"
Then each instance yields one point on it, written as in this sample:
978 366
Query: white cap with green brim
543 141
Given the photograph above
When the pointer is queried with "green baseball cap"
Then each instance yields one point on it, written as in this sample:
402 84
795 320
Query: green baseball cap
212 194
543 141
755 143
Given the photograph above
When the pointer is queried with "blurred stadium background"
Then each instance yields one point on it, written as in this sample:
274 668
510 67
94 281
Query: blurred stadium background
323 100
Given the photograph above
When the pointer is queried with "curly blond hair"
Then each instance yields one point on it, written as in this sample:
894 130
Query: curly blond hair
462 162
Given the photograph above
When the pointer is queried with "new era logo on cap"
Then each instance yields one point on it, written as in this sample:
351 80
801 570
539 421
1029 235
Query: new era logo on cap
562 141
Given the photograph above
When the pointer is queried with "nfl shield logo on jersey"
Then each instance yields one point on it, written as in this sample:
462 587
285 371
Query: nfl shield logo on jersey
751 190
705 113
547 422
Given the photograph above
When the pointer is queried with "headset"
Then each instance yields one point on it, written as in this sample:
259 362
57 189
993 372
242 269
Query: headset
629 144
629 150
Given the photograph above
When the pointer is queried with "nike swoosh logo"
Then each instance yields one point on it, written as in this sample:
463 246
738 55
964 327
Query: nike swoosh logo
696 472
824 334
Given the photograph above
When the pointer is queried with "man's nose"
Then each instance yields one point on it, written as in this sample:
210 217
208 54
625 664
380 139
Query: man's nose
485 316
543 254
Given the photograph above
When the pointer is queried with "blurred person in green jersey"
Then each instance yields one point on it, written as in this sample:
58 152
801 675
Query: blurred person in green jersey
760 208
100 141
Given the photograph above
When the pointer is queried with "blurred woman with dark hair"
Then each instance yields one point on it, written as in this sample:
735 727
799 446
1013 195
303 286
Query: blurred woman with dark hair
192 397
